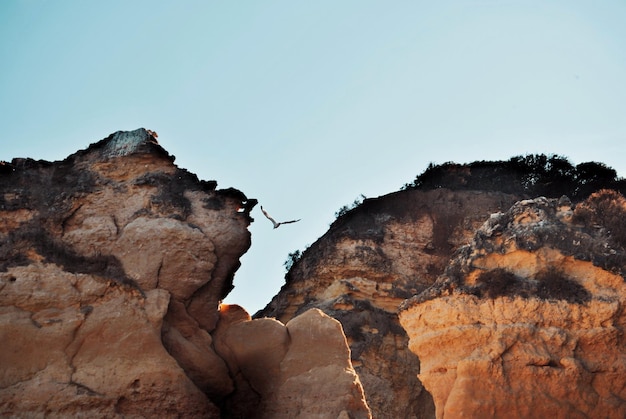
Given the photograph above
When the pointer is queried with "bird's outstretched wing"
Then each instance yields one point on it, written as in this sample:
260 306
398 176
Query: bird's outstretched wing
276 224
269 217
289 222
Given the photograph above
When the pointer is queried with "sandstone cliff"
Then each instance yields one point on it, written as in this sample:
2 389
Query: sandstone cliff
396 246
113 263
458 296
528 319
301 369
372 259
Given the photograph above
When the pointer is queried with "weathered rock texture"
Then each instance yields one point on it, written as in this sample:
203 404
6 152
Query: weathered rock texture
396 246
113 263
371 260
528 320
298 370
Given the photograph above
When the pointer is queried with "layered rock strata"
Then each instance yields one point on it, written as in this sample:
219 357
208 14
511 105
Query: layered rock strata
371 260
528 319
113 263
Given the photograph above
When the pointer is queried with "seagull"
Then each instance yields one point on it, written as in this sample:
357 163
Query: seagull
276 225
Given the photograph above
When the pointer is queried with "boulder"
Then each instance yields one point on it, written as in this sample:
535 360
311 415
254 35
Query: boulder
298 370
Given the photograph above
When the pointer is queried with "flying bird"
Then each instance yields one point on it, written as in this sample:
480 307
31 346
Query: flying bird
276 225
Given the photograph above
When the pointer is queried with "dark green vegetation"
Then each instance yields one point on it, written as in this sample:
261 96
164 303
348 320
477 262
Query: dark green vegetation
550 284
292 258
343 210
531 175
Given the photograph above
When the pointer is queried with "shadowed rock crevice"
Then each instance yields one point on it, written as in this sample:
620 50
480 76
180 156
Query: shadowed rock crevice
17 250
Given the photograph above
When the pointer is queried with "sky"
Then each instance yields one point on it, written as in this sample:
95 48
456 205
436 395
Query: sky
306 106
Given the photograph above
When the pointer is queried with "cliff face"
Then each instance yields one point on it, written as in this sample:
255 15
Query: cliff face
102 254
112 266
538 275
421 303
528 319
372 259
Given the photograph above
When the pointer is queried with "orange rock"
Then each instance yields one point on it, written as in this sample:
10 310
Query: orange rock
523 324
103 255
299 370
367 264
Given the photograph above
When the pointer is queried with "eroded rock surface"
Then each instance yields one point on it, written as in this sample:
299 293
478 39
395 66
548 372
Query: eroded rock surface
528 319
367 264
112 266
298 370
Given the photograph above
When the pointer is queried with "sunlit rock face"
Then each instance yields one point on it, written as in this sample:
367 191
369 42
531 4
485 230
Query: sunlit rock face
367 264
301 369
114 261
112 266
527 321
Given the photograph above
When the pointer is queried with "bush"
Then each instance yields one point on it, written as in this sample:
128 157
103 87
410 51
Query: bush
498 283
548 284
554 285
346 208
532 175
292 259
592 176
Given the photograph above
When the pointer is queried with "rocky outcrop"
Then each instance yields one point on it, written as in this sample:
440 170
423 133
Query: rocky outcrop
372 259
298 370
74 345
528 319
113 263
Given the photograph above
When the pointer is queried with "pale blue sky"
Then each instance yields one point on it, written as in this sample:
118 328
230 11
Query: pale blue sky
307 105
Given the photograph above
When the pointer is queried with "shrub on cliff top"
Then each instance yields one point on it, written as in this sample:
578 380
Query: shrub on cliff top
532 175
292 259
347 208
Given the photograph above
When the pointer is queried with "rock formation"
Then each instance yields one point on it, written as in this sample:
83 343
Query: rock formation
396 246
458 296
372 259
528 319
298 370
113 263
